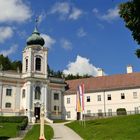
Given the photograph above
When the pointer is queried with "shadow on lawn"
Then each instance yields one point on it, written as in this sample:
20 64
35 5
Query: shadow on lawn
4 138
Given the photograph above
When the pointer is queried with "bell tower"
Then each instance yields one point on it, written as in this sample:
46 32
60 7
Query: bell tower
35 57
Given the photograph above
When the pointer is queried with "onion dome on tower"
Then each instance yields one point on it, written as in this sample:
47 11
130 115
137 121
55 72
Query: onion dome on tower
35 38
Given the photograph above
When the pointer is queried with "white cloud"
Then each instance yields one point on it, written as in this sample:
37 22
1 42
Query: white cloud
65 10
75 14
66 44
11 50
95 11
81 32
14 10
110 15
5 33
62 8
49 41
81 66
41 17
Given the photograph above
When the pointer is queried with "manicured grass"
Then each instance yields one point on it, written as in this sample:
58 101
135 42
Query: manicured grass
8 130
116 128
33 134
59 121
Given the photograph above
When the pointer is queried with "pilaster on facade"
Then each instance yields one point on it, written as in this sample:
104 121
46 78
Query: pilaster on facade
28 102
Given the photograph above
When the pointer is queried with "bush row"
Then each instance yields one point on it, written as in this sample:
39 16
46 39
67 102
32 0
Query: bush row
12 119
121 111
23 124
22 120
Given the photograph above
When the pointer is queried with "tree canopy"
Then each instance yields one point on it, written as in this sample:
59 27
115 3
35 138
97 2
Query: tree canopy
130 12
7 64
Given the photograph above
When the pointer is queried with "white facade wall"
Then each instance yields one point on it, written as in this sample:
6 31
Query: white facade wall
56 114
70 107
9 99
94 106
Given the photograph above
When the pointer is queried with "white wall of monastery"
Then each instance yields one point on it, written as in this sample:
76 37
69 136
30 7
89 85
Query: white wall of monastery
130 103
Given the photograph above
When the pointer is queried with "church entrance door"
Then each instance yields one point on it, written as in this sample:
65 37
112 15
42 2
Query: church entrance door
37 113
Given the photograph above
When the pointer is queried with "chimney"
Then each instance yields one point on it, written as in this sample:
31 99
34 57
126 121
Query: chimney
100 72
129 69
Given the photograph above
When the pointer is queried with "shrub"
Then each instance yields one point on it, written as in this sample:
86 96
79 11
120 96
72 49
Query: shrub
23 124
121 111
22 120
12 119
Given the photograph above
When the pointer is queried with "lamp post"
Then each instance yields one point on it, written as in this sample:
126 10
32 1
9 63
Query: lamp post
42 137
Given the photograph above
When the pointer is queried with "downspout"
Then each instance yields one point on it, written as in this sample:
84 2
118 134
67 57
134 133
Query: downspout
104 104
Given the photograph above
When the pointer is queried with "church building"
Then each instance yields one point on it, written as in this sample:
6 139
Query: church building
23 93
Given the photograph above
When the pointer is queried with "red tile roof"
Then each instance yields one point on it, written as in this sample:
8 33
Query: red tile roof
102 83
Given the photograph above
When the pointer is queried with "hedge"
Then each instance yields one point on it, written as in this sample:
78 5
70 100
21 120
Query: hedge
23 124
22 120
121 111
12 119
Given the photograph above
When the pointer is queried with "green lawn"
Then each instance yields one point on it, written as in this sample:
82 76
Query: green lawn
33 134
8 130
116 128
59 121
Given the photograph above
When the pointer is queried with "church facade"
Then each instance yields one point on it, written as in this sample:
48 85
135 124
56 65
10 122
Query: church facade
23 93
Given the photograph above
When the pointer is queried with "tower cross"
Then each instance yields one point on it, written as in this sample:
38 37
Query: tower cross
36 21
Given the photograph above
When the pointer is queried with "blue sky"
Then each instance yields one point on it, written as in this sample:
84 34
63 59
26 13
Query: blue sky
82 35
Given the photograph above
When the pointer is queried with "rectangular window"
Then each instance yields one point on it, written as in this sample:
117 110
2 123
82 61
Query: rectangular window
109 112
68 100
98 97
68 114
88 112
8 92
56 108
23 93
122 96
135 96
88 98
100 112
136 110
109 97
8 105
56 96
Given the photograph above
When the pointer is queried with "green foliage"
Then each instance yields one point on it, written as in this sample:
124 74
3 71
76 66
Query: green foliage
22 120
59 121
8 130
115 128
71 76
23 124
33 134
12 119
60 74
7 64
130 12
121 111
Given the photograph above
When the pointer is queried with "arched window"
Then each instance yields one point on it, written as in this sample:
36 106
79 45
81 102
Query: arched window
26 64
38 64
37 93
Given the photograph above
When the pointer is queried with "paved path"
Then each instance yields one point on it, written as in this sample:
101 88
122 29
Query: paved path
61 132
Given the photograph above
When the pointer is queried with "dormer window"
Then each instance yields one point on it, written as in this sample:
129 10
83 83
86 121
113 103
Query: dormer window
38 64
